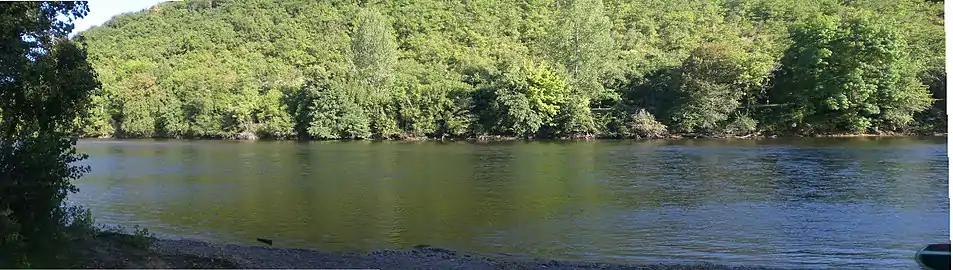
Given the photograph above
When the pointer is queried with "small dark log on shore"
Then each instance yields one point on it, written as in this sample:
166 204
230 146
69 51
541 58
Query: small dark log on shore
266 241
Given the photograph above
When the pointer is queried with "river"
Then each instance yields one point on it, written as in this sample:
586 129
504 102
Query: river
856 203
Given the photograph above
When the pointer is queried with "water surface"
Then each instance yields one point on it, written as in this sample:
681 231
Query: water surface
806 203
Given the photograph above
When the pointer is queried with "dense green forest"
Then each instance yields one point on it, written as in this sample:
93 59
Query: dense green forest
341 69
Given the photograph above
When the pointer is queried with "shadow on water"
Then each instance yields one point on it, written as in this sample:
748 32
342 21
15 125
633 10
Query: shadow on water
831 202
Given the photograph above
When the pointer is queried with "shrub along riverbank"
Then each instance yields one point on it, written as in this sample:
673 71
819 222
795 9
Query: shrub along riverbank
525 69
484 138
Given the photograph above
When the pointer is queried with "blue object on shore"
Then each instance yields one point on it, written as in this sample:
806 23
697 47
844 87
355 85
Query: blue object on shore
934 257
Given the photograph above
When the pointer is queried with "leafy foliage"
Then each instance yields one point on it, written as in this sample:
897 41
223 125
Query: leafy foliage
850 75
710 88
374 49
46 84
583 44
531 68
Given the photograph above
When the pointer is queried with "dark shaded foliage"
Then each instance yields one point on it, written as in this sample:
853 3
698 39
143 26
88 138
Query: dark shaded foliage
45 83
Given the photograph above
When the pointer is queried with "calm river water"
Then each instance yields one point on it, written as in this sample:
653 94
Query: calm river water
804 203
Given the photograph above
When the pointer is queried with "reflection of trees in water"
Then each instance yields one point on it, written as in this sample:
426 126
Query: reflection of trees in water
632 173
433 188
586 166
910 173
389 224
545 179
652 176
835 175
539 187
811 169
374 195
367 196
814 174
719 174
147 182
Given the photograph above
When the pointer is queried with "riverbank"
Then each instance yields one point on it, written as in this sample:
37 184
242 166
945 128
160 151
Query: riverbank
492 138
112 250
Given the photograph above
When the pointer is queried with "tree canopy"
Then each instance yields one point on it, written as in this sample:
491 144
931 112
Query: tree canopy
530 68
45 85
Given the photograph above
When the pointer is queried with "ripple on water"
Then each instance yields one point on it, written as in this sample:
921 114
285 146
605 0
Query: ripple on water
813 203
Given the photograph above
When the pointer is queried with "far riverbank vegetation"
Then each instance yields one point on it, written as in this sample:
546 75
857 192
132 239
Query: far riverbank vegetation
326 70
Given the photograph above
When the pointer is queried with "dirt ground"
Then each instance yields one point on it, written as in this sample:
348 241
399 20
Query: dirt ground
122 251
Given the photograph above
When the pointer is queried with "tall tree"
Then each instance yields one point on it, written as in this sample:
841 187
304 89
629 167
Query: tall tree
583 44
374 50
374 56
45 84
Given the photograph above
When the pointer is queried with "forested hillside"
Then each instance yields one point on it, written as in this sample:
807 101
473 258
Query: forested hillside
343 69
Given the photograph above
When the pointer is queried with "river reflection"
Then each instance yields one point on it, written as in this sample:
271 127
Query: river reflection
815 203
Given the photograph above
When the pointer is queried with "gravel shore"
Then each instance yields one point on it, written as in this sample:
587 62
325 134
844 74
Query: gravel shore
115 252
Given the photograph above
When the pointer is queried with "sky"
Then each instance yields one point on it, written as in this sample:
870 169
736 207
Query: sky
101 11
